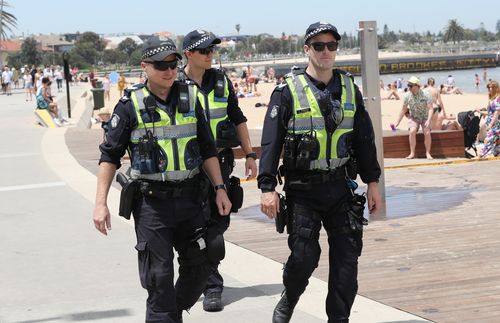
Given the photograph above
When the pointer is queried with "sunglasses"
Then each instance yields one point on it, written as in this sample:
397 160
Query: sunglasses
205 51
410 85
320 46
164 65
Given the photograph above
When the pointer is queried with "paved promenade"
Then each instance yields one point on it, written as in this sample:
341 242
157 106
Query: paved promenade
431 257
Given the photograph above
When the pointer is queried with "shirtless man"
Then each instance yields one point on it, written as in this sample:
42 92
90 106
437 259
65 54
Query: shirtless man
437 104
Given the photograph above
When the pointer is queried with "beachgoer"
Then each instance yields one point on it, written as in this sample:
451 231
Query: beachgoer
492 120
418 106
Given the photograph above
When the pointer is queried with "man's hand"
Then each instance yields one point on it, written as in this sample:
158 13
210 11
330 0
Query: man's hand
223 202
270 204
250 168
374 198
102 218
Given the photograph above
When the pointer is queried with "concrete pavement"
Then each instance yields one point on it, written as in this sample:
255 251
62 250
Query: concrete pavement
58 268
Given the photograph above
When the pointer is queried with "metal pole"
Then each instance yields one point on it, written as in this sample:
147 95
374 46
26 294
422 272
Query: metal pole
66 76
371 88
1 32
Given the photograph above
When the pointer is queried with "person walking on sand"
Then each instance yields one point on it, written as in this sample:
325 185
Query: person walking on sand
417 105
437 104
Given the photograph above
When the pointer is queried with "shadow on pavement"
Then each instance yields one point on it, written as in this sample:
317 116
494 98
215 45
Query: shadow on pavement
234 294
84 316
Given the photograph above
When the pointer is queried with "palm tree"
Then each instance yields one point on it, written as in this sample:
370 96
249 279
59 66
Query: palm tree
454 32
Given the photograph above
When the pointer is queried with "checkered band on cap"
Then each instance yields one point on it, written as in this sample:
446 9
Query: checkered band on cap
157 50
318 30
196 44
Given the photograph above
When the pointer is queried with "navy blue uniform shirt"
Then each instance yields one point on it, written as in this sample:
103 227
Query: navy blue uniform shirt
118 136
275 128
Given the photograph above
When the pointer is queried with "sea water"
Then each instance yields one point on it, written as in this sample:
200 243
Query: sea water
464 79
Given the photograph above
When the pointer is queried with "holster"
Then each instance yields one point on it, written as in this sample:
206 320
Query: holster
216 249
235 194
127 195
355 209
281 219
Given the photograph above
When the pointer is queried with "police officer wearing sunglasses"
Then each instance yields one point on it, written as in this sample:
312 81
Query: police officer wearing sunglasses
228 125
163 127
317 116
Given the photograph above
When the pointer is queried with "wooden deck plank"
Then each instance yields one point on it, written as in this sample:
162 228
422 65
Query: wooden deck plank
443 265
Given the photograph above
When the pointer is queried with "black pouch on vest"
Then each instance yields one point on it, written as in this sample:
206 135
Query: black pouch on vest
219 83
183 98
227 136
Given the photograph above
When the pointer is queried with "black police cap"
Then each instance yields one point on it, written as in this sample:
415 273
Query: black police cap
198 39
321 27
156 49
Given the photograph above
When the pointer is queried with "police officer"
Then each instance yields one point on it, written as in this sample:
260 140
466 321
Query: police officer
319 118
163 127
228 125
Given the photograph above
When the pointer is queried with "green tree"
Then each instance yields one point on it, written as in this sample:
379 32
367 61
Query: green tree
7 20
269 46
30 53
237 27
89 47
114 56
498 26
128 46
454 32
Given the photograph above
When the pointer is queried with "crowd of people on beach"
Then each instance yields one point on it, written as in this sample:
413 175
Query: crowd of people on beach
424 108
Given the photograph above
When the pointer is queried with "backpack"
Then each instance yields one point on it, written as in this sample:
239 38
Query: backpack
470 123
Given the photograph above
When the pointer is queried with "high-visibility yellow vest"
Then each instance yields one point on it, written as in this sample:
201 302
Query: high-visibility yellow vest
307 117
176 137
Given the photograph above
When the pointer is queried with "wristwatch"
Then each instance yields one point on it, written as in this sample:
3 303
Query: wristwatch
252 155
220 186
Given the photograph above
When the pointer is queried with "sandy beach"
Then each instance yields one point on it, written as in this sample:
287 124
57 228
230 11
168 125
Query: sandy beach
454 103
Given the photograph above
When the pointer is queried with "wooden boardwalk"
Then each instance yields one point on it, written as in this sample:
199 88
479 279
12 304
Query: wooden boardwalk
436 252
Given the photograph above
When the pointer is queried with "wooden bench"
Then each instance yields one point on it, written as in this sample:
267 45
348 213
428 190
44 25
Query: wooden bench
445 143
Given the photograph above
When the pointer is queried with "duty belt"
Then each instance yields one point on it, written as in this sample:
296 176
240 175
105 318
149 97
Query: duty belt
303 181
161 191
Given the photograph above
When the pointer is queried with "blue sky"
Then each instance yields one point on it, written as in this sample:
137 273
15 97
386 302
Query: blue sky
254 16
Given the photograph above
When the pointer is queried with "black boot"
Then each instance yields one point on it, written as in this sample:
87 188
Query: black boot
212 302
284 309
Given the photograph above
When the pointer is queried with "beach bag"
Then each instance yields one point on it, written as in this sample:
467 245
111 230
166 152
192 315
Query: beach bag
470 123
40 102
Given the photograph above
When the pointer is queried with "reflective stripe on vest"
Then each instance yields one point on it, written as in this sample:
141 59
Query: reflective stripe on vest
172 134
307 117
217 107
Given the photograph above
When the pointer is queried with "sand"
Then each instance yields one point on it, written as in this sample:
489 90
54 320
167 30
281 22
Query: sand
454 103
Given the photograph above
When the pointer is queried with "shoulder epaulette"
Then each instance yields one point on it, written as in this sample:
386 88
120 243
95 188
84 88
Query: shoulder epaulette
346 73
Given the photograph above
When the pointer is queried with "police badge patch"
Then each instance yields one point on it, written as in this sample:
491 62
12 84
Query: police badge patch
274 111
114 121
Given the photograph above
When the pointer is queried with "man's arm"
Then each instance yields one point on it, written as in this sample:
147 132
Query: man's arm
102 218
210 162
112 150
402 113
246 145
236 116
273 135
212 168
